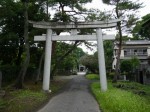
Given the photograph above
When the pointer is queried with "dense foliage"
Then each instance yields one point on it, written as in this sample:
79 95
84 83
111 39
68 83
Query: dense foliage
141 29
14 43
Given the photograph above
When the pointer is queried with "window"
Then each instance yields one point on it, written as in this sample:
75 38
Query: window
135 52
138 52
148 75
114 66
144 51
125 52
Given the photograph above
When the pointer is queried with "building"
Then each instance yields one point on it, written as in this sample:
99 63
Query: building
140 49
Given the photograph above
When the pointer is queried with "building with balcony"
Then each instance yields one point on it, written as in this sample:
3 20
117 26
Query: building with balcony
139 49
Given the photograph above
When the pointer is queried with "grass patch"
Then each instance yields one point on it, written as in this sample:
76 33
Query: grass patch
2 104
22 100
28 99
136 88
117 100
92 76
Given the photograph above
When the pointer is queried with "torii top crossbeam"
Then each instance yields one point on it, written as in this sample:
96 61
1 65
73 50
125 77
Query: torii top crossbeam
75 25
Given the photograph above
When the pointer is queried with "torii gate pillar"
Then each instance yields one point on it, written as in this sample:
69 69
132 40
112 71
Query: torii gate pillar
101 60
47 63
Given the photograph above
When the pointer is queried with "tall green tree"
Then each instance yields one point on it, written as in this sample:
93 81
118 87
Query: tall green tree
11 34
124 9
125 66
130 65
12 26
141 29
90 61
15 33
20 79
71 60
135 62
108 49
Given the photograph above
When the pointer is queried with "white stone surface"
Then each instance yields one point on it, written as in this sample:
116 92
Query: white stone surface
74 37
101 60
73 25
47 63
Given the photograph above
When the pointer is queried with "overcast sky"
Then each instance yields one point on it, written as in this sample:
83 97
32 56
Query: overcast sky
99 5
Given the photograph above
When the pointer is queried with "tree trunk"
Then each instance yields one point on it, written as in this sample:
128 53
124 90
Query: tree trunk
20 51
117 69
20 79
39 68
47 9
0 80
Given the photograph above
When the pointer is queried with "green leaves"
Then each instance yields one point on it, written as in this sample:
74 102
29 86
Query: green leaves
128 5
135 62
61 17
71 60
130 64
106 1
91 62
142 30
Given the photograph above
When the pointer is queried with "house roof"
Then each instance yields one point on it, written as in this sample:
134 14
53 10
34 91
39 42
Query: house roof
137 42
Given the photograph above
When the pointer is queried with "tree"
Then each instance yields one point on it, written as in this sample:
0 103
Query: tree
70 62
135 62
64 55
108 49
123 9
90 61
130 66
11 29
141 29
126 66
20 79
12 26
16 34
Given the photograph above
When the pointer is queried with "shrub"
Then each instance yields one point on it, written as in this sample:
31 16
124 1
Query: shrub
111 75
9 72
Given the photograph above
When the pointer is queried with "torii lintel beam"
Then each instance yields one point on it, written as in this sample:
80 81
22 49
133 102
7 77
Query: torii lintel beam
74 37
75 25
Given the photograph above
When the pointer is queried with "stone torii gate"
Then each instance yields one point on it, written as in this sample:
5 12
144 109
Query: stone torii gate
98 25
